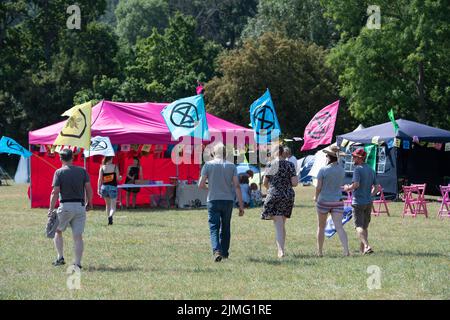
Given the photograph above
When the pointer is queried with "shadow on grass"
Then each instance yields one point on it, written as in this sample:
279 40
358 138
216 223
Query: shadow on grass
188 270
413 254
111 269
288 260
305 259
139 225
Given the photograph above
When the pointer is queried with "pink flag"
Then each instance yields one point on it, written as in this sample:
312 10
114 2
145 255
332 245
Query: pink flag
199 89
320 129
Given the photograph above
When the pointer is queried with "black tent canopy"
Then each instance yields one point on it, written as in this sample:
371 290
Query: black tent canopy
415 154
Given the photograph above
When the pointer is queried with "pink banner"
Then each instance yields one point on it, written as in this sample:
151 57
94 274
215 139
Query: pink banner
320 129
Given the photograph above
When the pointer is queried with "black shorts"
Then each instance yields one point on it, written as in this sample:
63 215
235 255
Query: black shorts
362 214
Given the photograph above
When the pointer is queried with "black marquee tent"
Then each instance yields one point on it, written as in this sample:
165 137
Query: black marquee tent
417 153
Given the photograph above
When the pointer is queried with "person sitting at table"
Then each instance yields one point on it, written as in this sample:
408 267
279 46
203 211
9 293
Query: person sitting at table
134 173
107 186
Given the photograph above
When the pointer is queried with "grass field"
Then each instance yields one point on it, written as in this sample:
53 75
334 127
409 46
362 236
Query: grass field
166 255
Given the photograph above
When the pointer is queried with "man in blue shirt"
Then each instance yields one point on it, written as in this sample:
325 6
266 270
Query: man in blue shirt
223 185
364 185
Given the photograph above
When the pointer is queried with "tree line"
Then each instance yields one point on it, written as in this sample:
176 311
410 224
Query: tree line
309 53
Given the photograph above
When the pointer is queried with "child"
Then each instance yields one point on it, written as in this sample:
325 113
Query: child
245 189
256 195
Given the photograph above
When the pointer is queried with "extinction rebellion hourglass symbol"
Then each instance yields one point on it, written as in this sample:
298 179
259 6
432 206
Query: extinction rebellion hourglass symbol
14 146
323 123
99 146
265 120
184 115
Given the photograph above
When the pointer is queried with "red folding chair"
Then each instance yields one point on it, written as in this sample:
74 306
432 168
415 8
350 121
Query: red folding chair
445 202
414 200
378 204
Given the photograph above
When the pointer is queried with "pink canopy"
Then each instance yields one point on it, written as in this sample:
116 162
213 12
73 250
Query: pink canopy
132 123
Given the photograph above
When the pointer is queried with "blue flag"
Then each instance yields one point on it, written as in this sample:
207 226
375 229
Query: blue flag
187 117
330 229
8 145
264 119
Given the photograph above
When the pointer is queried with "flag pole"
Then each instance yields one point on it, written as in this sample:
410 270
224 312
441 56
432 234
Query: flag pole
259 168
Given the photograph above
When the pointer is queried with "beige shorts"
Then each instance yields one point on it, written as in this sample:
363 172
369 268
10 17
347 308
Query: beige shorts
73 213
362 214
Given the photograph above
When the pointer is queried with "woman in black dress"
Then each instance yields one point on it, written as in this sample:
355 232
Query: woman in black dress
280 178
134 173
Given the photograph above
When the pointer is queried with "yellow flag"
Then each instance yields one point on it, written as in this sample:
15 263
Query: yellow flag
77 130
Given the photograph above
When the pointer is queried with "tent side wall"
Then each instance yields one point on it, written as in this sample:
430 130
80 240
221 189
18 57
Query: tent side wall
425 165
22 173
305 165
388 179
44 166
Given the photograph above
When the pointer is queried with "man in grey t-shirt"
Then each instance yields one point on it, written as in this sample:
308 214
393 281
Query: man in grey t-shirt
223 185
364 185
72 186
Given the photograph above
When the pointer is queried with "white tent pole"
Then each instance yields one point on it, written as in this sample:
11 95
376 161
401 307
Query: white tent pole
84 157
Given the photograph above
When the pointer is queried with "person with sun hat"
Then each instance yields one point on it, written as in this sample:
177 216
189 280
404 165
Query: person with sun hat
329 198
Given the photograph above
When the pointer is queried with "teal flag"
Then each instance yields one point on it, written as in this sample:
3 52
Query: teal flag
392 118
371 159
187 117
8 145
264 119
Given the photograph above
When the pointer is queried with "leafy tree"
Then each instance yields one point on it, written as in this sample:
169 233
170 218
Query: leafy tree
82 56
163 67
403 65
43 64
294 72
297 19
137 18
47 19
219 20
168 64
109 16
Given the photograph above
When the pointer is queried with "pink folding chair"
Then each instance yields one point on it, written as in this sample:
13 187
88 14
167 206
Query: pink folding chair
348 201
421 202
414 200
445 202
378 204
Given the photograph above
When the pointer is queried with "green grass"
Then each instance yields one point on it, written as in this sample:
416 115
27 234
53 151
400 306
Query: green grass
153 254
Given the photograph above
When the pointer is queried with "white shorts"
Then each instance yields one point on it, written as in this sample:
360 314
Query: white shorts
73 213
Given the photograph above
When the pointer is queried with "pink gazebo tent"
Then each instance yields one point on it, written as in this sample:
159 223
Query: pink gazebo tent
123 123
